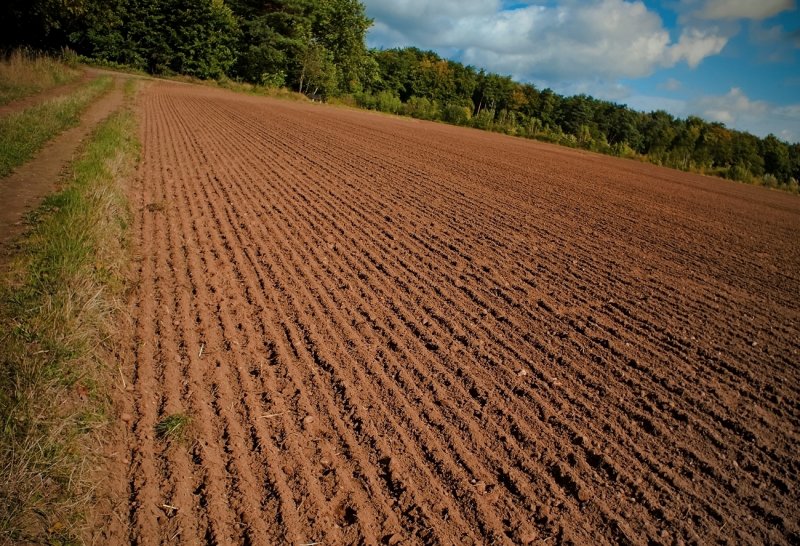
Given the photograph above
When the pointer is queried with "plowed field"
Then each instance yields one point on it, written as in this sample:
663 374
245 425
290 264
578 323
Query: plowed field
387 331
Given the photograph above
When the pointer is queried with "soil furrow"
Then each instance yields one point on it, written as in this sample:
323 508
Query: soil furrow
387 331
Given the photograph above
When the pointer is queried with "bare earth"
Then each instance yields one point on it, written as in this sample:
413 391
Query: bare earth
389 331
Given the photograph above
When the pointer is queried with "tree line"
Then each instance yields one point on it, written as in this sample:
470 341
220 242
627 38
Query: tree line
317 47
424 85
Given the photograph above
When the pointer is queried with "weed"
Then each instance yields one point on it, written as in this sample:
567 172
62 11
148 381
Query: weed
173 427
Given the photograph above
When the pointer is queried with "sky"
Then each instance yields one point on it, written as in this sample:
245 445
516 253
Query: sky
732 61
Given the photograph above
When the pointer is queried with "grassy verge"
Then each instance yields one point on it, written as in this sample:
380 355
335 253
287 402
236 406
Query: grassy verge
22 134
24 72
56 306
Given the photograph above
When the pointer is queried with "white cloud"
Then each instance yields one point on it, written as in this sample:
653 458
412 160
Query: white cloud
742 9
774 43
588 46
600 89
605 39
737 110
729 107
694 46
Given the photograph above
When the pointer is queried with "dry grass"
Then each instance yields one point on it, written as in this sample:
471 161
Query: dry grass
23 72
57 304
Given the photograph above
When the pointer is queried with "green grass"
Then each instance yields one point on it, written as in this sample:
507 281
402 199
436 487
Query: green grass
173 427
57 305
22 134
23 73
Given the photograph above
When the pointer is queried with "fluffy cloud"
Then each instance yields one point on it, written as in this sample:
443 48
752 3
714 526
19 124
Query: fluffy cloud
694 46
742 9
573 40
730 107
737 110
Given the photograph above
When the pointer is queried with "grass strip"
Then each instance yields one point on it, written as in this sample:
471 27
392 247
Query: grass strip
22 134
57 302
24 73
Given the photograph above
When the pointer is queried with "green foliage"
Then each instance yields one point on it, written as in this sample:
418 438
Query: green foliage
484 119
433 88
383 101
192 37
274 79
457 114
318 46
318 72
423 108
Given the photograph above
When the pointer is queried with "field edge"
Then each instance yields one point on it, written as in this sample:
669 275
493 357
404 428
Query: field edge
59 301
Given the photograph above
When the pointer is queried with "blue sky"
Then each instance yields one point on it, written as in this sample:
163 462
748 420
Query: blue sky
734 61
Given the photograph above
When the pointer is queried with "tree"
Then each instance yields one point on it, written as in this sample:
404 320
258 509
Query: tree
715 146
747 154
41 24
317 70
658 131
340 26
776 158
194 37
204 33
292 39
575 113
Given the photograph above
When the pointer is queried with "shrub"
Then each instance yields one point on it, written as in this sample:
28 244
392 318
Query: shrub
273 80
457 114
386 101
740 173
483 120
423 108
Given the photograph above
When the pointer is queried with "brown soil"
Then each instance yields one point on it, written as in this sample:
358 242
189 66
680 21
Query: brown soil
24 189
389 331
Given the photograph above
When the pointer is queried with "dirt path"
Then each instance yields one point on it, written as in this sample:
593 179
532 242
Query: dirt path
393 332
38 98
24 189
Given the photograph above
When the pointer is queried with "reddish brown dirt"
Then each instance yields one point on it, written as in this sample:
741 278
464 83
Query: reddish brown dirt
389 331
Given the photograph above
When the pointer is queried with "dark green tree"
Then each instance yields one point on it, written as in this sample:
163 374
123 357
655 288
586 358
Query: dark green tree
776 158
194 37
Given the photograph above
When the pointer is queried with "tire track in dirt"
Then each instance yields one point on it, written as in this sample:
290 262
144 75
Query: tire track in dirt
417 332
24 188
